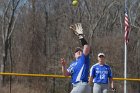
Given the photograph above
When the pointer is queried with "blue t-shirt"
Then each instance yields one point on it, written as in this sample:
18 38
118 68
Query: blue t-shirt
79 69
100 73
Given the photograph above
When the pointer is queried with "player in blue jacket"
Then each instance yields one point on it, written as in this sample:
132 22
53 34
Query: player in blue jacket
101 75
79 68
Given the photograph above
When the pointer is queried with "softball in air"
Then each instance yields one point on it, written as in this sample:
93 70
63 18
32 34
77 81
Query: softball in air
74 2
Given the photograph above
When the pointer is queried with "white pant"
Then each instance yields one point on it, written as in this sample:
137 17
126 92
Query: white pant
81 87
100 88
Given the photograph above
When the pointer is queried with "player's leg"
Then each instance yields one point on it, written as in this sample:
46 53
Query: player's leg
88 89
74 90
104 88
81 88
96 88
78 88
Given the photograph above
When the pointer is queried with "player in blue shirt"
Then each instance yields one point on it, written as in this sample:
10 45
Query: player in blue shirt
101 75
79 68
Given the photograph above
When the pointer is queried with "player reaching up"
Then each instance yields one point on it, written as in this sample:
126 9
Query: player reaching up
79 68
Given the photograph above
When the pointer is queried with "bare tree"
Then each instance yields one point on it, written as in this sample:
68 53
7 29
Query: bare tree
8 24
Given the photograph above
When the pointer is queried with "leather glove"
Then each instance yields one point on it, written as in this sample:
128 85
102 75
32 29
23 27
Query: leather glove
77 29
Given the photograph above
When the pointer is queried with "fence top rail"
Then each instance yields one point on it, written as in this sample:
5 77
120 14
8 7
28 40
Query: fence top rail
33 75
57 76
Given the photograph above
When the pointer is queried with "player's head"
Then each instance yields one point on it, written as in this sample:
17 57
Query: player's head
101 58
78 52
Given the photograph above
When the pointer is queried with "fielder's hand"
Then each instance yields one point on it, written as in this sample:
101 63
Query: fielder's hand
63 62
77 29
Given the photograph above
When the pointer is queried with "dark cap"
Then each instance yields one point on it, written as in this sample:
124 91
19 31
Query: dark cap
78 49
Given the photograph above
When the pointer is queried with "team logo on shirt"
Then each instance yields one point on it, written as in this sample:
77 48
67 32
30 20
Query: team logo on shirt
97 68
101 73
71 68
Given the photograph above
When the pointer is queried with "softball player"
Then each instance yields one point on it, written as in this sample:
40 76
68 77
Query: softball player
79 68
99 75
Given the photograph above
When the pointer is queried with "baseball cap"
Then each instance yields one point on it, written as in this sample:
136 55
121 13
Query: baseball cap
78 49
101 54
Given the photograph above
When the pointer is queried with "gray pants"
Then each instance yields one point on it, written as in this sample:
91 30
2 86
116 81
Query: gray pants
81 87
100 88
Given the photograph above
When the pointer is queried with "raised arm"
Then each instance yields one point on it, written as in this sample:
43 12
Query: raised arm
86 49
78 30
